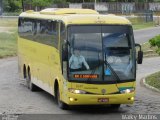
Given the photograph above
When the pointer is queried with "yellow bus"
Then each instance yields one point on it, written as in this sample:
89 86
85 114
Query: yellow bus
79 56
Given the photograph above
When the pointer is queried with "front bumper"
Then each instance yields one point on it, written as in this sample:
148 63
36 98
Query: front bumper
90 99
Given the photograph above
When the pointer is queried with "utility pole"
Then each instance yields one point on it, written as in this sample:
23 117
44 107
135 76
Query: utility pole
1 7
95 2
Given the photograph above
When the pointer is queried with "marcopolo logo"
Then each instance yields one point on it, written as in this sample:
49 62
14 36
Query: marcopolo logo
103 91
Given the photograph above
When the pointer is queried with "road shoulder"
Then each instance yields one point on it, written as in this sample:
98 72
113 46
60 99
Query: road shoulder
143 81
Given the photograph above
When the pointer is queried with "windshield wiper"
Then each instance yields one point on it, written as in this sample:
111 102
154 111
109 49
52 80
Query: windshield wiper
107 64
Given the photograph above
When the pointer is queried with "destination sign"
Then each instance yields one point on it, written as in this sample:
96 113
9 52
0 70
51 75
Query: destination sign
93 76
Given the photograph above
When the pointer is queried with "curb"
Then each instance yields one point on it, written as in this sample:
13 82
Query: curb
148 86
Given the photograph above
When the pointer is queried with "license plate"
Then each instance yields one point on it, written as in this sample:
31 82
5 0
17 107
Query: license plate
103 100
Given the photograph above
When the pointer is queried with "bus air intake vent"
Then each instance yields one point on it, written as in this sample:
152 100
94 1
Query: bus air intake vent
30 11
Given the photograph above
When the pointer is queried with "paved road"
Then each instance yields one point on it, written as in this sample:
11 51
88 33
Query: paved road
142 36
16 98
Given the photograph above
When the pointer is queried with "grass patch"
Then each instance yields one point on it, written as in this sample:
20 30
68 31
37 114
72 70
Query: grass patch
8 37
11 13
148 50
154 80
8 22
8 44
140 23
143 25
155 42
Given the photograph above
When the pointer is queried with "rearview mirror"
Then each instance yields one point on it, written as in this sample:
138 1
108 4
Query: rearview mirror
140 54
140 57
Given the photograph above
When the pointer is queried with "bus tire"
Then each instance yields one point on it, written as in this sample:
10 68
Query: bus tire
115 106
61 104
30 85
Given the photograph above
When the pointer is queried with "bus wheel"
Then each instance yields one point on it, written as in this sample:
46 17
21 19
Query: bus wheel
115 106
30 85
61 104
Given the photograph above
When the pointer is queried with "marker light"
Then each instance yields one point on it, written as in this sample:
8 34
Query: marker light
132 98
71 99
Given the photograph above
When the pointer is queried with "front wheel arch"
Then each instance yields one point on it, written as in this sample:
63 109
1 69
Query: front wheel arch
60 103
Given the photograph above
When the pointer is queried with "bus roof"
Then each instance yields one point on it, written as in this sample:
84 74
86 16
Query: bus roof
76 16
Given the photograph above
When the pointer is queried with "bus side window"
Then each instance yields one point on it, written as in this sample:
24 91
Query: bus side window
62 28
34 27
55 33
63 41
20 26
25 28
42 31
47 33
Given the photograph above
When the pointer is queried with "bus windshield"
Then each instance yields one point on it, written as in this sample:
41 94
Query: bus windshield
101 53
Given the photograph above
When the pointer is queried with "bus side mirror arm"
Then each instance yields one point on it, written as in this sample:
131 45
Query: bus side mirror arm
140 54
138 45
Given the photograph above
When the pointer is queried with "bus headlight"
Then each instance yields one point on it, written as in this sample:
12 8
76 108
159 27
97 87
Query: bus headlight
129 90
76 91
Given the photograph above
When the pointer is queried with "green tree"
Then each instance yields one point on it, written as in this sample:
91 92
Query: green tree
59 1
41 3
6 6
12 5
